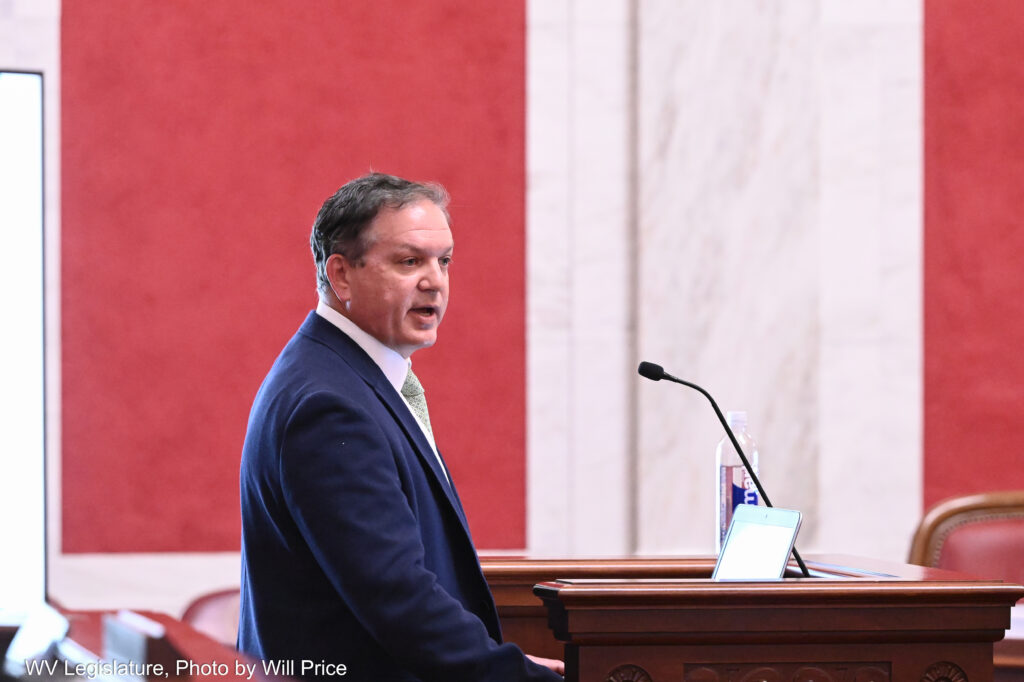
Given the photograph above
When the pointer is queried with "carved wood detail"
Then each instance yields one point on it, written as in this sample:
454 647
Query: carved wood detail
628 673
944 671
789 672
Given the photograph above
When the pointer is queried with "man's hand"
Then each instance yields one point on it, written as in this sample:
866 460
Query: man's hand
557 666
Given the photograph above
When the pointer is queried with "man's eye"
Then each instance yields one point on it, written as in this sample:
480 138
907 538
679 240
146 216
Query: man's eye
445 261
408 261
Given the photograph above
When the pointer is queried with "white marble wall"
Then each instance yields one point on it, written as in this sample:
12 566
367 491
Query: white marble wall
579 273
774 256
870 222
728 295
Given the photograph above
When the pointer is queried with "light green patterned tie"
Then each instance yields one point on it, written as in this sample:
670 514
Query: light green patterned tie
412 390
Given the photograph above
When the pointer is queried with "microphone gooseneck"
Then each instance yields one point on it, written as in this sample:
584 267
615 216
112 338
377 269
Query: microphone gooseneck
654 372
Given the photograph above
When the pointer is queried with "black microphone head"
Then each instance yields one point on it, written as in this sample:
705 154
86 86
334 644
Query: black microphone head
651 371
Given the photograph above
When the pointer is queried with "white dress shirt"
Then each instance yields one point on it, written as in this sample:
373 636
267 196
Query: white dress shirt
394 366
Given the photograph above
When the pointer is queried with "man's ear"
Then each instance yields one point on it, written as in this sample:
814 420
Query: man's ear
338 270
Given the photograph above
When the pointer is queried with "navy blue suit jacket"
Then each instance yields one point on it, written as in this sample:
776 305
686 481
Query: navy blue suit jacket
355 549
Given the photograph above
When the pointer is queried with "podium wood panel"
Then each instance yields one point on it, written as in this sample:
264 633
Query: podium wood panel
663 619
524 618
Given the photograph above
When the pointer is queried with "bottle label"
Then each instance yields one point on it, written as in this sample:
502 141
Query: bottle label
736 488
747 494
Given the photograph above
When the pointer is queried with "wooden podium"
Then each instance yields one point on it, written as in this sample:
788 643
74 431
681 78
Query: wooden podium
854 620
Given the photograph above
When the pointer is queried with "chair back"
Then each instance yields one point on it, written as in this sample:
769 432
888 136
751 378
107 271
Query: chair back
215 614
979 534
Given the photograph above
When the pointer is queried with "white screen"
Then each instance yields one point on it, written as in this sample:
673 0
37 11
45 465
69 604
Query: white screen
757 550
22 574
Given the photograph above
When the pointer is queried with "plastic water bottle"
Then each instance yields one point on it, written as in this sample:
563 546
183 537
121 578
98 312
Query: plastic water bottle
735 486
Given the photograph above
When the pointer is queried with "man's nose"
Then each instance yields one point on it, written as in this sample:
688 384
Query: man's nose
432 277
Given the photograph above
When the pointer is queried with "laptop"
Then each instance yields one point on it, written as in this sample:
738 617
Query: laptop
758 544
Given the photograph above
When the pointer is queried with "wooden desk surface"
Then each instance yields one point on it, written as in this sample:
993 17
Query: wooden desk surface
1009 654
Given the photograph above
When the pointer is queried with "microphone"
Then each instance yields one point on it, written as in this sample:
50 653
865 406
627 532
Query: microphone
649 370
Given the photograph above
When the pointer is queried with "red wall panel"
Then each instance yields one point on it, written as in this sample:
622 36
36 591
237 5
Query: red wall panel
199 140
974 241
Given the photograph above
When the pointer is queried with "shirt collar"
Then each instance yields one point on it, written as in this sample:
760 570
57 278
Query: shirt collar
390 361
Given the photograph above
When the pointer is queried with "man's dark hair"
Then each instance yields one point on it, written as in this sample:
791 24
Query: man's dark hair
342 222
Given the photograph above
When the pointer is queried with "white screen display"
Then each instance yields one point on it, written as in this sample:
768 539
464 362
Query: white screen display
22 536
757 546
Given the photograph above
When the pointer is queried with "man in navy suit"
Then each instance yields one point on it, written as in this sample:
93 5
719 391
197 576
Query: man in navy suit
357 562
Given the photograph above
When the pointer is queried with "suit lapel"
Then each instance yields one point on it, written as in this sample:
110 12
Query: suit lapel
325 332
414 433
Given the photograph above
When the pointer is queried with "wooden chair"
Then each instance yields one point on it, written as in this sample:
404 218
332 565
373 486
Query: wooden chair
215 614
979 534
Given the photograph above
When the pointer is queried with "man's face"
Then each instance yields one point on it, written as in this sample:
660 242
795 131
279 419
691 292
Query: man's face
399 291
